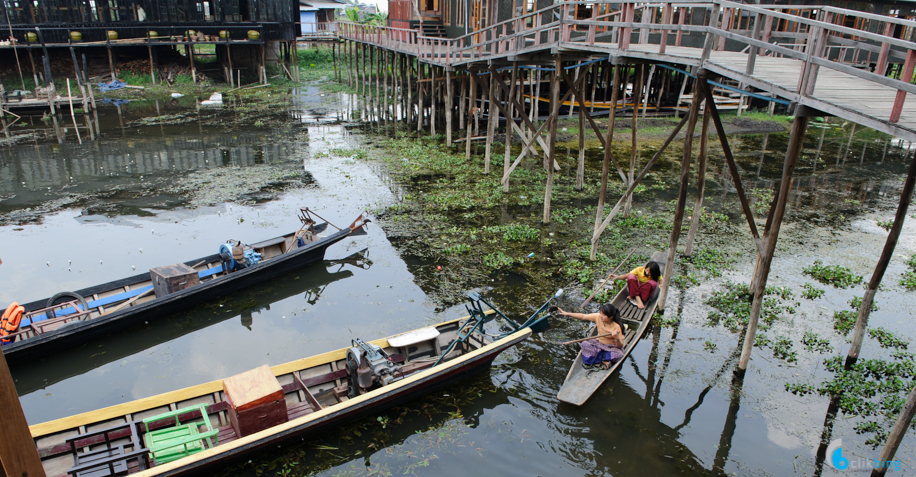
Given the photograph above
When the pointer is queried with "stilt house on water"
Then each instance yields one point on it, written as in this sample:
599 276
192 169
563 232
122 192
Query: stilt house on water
247 34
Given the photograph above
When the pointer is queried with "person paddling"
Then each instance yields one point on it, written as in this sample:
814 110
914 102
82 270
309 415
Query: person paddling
606 350
641 283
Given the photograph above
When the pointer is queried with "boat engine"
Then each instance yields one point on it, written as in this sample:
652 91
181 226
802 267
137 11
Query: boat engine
368 365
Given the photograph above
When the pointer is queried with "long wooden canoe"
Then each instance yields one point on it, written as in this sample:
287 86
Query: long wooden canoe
41 373
316 396
581 383
117 305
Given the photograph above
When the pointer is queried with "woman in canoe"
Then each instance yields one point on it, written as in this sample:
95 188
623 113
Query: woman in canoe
641 283
607 349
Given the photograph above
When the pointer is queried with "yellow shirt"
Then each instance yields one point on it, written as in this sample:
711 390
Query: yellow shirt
642 275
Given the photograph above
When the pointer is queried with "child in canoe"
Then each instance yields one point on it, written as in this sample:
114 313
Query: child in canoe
605 350
641 283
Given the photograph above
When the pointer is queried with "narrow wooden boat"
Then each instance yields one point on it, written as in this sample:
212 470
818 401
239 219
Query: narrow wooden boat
49 326
41 373
580 382
264 407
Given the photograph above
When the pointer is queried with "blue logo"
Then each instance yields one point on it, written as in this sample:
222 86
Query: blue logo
839 462
835 454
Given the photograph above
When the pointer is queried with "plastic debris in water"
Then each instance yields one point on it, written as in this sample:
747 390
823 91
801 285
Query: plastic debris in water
530 255
438 267
177 95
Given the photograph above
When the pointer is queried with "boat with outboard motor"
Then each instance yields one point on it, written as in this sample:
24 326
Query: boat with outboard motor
69 319
189 430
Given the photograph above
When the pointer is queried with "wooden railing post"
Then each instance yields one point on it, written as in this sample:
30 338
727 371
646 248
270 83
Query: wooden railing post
681 21
710 36
628 12
591 28
726 21
666 20
881 67
908 77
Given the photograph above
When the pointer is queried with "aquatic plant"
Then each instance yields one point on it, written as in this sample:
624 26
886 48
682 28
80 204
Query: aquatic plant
885 224
712 261
498 260
520 233
811 292
856 302
709 346
733 307
888 339
782 349
844 321
909 277
813 342
800 389
836 275
661 320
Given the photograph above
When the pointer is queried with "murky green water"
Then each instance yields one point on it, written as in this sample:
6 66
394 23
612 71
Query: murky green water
147 195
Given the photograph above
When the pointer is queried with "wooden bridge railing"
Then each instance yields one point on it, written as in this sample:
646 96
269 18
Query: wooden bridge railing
818 41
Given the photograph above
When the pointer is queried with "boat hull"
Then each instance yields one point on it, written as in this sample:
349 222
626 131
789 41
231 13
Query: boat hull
362 406
80 332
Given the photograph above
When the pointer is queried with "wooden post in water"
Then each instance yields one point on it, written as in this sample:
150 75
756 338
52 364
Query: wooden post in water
432 101
18 454
701 183
771 233
682 194
580 168
472 104
510 120
409 75
449 96
386 90
492 118
419 97
896 435
462 102
606 166
637 95
552 135
889 245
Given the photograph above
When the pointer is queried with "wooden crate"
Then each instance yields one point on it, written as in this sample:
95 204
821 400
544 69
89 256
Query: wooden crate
172 278
256 401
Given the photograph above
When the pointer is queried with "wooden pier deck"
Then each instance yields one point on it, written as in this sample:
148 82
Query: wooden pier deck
832 87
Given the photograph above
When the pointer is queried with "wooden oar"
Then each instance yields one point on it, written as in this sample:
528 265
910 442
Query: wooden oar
583 339
128 302
606 280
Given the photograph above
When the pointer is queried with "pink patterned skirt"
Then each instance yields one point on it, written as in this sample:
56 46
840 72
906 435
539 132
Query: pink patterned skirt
595 352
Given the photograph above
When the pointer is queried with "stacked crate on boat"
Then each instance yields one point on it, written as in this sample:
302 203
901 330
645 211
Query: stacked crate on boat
172 278
256 401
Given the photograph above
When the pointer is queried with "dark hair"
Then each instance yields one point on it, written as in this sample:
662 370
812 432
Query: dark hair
654 270
613 313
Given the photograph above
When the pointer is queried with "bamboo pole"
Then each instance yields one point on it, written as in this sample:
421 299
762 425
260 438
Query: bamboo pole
472 97
492 119
701 184
889 245
606 167
552 135
510 120
896 435
449 96
580 169
73 114
799 126
637 94
681 198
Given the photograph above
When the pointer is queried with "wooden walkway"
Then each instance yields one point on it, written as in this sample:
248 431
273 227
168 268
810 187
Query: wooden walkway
832 87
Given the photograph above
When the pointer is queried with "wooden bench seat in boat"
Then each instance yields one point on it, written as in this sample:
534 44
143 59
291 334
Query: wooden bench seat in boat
111 459
180 440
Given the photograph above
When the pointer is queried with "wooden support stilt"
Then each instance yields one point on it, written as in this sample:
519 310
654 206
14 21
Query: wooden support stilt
152 65
232 83
34 70
796 138
462 101
409 75
492 118
420 88
594 85
645 102
472 110
606 167
890 244
190 49
553 119
681 198
111 65
295 60
510 120
334 59
896 436
449 96
701 184
580 168
637 95
432 101
385 90
18 454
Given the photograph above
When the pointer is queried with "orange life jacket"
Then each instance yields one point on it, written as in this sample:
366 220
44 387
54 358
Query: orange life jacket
9 324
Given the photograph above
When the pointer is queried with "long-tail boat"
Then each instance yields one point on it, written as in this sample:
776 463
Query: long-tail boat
53 324
41 373
580 382
211 424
